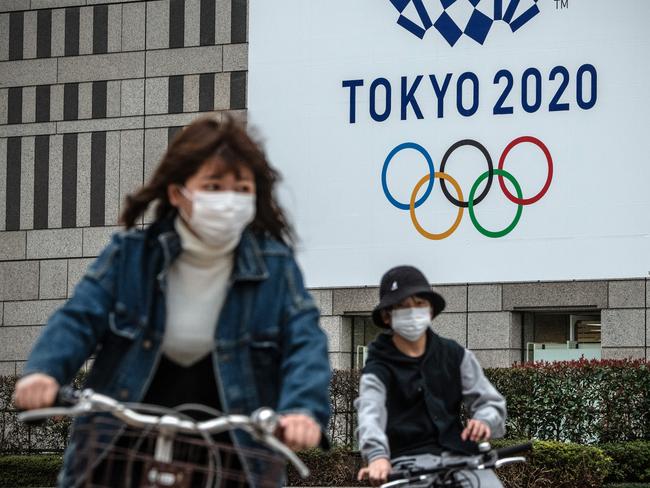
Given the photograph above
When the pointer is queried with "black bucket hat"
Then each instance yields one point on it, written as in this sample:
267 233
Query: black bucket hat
402 282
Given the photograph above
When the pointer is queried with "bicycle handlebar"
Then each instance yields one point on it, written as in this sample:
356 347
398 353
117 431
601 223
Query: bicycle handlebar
261 424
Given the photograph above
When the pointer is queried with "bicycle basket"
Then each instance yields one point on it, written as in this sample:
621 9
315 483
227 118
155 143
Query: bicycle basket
109 454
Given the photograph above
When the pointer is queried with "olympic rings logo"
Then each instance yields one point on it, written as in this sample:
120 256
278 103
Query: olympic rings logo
473 199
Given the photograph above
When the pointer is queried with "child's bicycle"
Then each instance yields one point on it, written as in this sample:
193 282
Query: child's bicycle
454 471
136 445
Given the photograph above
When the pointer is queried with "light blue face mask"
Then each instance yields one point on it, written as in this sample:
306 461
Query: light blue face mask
411 323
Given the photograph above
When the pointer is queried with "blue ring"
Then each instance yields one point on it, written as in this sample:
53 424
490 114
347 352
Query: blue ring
432 172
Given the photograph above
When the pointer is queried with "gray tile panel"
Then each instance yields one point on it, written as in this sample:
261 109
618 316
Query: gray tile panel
333 328
497 358
86 30
323 299
114 96
71 37
29 40
112 181
154 148
44 34
4 38
455 297
16 342
4 105
173 120
193 60
30 312
453 326
489 330
83 180
15 5
350 300
115 66
157 25
54 243
131 162
575 294
29 105
235 57
58 32
3 183
96 239
56 102
191 93
18 280
85 100
27 183
114 28
76 270
8 368
207 22
119 123
192 30
132 97
483 298
53 279
19 130
13 245
133 26
623 353
623 328
157 95
627 294
28 72
56 3
41 181
56 181
222 21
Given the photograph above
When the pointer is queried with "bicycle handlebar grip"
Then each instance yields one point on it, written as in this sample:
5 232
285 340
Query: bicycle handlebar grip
397 475
66 396
516 449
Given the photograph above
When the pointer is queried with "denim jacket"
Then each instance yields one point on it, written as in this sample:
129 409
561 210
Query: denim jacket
269 349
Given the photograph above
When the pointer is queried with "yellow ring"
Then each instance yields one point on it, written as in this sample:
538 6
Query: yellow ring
448 232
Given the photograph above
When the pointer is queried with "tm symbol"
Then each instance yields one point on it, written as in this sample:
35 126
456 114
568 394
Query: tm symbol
561 4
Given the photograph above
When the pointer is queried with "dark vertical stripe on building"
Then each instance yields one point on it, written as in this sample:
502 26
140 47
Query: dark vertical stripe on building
206 34
44 34
72 31
206 92
176 23
69 181
238 90
238 21
16 34
14 154
171 133
99 99
175 95
71 101
100 29
97 178
15 105
41 180
43 103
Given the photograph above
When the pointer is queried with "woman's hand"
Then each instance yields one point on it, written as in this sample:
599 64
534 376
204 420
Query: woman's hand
476 431
36 390
299 431
377 471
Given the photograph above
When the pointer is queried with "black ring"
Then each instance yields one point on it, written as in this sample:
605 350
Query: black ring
488 158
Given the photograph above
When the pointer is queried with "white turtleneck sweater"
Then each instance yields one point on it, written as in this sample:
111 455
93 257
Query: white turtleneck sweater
196 290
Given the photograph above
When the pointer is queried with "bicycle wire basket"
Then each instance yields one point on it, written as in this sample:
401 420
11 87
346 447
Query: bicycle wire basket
109 454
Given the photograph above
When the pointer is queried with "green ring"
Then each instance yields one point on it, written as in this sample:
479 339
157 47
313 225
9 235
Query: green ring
470 204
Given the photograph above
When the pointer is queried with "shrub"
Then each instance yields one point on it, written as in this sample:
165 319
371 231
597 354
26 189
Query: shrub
631 460
19 471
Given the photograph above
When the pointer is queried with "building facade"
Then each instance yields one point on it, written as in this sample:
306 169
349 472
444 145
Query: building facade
91 91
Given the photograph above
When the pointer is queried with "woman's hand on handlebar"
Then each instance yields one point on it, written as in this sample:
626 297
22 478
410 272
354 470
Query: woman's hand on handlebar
36 390
299 431
476 431
377 471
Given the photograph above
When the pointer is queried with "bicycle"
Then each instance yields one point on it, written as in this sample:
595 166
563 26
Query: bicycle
128 445
454 471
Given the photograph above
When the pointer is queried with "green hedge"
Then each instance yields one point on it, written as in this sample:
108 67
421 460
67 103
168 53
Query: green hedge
631 461
34 470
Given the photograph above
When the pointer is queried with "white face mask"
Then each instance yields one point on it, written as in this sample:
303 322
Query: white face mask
220 217
411 323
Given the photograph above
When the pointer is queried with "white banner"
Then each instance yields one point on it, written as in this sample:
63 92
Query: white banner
404 127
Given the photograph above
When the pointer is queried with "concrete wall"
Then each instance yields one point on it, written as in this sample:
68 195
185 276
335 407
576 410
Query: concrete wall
90 93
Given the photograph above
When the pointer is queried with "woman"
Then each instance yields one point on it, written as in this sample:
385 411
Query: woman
205 305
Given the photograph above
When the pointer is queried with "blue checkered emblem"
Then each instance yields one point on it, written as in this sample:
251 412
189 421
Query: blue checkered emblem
478 18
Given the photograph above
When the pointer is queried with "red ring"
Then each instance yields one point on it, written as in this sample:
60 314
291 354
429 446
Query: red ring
549 160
